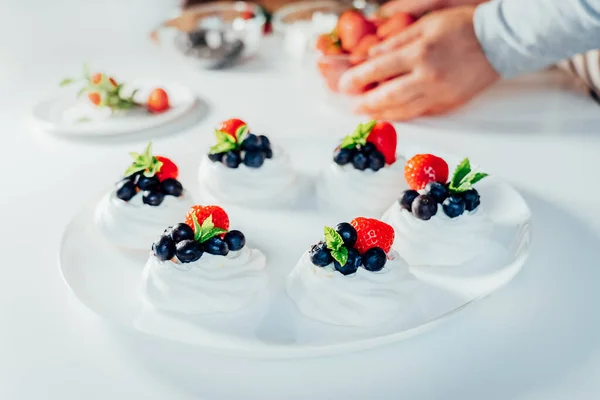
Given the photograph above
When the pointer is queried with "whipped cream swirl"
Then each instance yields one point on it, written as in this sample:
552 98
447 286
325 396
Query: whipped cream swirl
362 299
440 241
209 285
349 192
273 184
135 225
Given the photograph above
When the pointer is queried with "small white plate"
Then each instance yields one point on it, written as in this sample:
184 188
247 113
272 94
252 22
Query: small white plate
107 280
55 115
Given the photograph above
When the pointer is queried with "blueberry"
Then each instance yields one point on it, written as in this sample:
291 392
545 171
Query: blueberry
354 261
216 246
181 232
348 233
424 207
126 189
438 191
343 156
265 142
472 199
153 198
252 143
218 157
171 187
374 259
407 198
320 255
235 240
268 153
134 176
254 159
164 248
360 161
454 206
145 183
232 159
368 148
188 251
376 160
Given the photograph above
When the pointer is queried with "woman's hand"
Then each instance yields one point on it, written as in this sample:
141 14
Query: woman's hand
420 7
432 66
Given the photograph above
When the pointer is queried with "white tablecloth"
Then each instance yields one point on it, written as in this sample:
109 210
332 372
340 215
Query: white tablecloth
538 338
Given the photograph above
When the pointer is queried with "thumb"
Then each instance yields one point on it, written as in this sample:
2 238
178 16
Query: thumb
413 7
400 39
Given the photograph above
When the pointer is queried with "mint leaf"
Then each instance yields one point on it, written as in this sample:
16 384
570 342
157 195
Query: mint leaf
340 255
221 148
461 171
348 143
333 240
207 230
66 82
133 169
241 133
197 228
367 127
211 233
477 177
148 151
223 137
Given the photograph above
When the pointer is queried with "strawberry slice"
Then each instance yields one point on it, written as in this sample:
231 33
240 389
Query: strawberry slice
351 27
167 170
219 216
384 137
231 126
423 169
372 233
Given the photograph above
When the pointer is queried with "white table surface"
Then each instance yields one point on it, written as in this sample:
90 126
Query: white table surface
538 338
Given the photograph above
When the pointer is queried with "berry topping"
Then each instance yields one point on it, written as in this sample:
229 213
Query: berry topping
188 251
95 98
376 161
407 198
232 159
374 259
424 207
335 244
372 233
351 27
347 232
265 142
472 199
152 198
167 170
147 183
126 189
438 191
235 240
158 101
217 157
232 127
171 187
375 141
216 246
320 255
454 206
251 143
218 217
254 159
464 177
240 146
164 248
424 168
360 161
353 262
151 166
181 232
384 137
268 153
368 148
343 156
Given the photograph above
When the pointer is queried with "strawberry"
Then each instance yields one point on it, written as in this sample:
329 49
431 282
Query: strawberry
219 216
351 27
97 78
372 233
95 98
394 25
384 137
158 101
361 51
231 126
167 170
424 168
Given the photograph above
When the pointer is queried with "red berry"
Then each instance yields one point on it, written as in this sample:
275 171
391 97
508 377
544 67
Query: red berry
425 168
372 233
395 24
384 137
158 101
95 98
231 126
351 27
219 216
168 169
96 78
361 52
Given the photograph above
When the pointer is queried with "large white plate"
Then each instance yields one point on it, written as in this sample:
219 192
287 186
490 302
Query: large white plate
107 280
50 115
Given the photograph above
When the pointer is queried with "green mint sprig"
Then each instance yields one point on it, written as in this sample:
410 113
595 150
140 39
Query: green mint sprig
464 177
359 136
144 162
335 244
207 230
226 142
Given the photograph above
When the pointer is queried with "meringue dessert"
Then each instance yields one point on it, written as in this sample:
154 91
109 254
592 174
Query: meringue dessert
244 169
353 278
365 175
439 222
147 199
201 267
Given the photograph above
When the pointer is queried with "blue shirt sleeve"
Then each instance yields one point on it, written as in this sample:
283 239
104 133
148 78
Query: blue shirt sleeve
520 36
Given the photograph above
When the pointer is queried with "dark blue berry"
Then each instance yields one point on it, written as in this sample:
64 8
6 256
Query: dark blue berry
348 233
438 191
235 240
368 148
320 255
188 251
252 143
354 261
376 160
374 259
153 198
232 159
164 248
407 198
171 187
360 161
265 142
254 159
454 206
147 183
424 207
216 246
181 232
126 189
218 157
343 156
268 153
472 199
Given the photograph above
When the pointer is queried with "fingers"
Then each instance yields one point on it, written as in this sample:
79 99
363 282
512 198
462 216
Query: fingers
397 92
416 108
414 7
395 42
